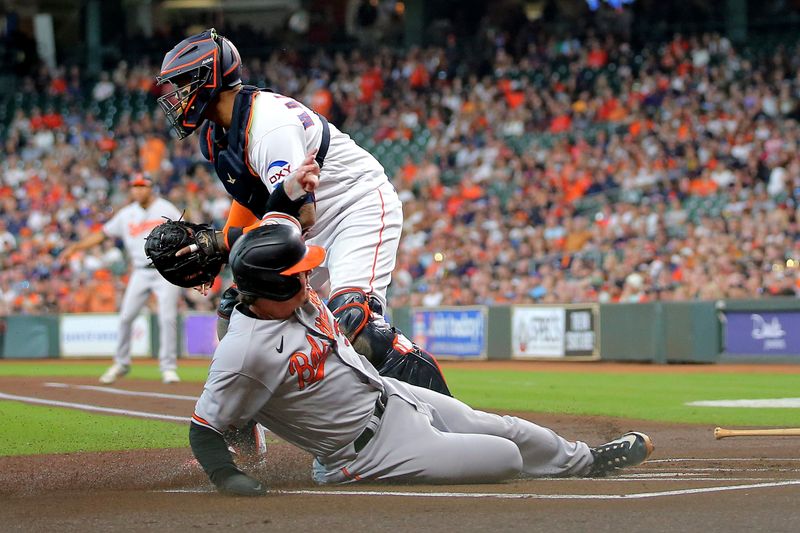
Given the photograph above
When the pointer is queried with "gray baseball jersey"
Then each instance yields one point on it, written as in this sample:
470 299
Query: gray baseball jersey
132 224
301 378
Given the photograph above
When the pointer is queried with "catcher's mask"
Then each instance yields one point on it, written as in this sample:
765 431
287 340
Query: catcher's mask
199 67
265 261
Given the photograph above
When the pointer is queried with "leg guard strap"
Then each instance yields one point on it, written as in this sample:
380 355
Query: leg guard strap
360 318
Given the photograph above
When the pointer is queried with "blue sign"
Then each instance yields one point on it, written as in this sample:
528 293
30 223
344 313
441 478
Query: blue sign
450 333
200 335
762 333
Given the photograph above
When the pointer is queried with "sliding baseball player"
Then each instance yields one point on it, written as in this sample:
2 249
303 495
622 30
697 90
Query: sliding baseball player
286 364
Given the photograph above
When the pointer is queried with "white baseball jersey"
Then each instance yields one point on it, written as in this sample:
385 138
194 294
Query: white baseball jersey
359 215
301 378
283 131
133 224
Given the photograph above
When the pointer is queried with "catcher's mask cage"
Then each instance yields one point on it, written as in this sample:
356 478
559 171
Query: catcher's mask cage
199 68
265 261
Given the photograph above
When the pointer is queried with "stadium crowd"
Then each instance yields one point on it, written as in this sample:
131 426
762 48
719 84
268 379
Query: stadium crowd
572 170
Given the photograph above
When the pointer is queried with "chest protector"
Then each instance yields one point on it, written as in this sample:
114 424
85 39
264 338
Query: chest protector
227 152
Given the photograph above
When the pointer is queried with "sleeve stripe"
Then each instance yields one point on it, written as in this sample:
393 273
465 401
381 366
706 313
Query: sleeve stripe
202 422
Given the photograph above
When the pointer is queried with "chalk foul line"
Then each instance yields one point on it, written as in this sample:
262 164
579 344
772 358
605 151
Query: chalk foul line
94 408
520 496
122 392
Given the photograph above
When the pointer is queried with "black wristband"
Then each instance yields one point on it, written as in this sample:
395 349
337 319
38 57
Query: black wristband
233 234
279 201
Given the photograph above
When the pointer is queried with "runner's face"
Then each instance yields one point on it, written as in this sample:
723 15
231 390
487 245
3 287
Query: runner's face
272 309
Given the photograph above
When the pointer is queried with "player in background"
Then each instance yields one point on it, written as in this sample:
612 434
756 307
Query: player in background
285 363
257 140
132 224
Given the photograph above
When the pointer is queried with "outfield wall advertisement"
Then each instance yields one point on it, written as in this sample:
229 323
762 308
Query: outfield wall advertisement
554 332
96 335
458 332
199 335
762 333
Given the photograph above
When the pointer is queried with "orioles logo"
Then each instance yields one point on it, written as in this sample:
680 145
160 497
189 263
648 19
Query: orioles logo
323 321
135 229
309 369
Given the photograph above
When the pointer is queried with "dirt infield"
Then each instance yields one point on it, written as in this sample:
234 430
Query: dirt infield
692 483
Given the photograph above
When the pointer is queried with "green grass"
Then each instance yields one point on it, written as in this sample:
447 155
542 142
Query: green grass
660 397
34 429
94 370
30 429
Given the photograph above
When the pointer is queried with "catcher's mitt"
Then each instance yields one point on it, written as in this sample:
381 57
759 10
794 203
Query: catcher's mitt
199 266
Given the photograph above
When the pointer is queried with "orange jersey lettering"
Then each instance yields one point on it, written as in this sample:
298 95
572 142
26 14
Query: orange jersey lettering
309 368
323 322
146 226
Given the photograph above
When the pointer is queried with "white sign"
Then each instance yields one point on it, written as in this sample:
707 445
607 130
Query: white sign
771 332
95 335
538 331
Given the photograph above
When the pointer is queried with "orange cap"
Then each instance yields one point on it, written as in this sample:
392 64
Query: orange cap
140 180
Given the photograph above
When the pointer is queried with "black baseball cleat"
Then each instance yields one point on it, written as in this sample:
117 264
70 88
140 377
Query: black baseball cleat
631 449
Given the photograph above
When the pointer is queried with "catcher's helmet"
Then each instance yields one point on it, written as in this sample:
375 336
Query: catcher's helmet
264 261
199 67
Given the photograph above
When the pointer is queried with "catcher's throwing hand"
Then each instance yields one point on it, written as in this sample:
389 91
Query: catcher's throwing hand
186 254
303 180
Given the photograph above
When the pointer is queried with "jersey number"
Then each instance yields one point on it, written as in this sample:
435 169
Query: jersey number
303 117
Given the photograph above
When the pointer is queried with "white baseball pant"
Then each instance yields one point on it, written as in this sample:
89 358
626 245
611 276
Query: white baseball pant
140 284
456 444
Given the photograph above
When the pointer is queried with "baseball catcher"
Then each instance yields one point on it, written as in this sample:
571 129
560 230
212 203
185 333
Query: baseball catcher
272 153
186 254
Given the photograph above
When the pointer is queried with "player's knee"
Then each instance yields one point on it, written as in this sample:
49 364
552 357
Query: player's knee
512 464
501 459
167 321
126 319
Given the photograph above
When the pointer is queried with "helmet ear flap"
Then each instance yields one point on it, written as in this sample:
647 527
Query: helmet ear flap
230 64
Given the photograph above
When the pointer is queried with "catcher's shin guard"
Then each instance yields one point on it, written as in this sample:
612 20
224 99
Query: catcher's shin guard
361 318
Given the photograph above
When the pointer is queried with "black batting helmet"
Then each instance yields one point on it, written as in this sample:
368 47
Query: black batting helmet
264 261
199 67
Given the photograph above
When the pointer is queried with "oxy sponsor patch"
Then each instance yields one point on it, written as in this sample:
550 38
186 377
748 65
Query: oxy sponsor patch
278 170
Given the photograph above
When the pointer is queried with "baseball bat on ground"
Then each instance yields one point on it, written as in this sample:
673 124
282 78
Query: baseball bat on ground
721 433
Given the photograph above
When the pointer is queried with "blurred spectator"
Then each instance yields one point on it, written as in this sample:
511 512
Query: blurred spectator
566 170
